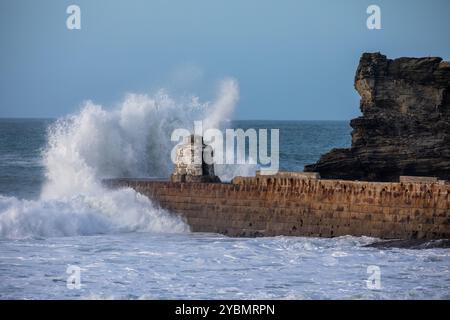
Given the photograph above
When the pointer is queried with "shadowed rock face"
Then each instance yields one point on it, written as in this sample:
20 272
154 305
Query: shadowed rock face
405 126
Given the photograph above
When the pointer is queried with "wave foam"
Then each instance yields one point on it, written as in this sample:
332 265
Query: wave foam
132 139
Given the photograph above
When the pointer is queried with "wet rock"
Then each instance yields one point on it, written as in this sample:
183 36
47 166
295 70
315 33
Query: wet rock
405 124
411 244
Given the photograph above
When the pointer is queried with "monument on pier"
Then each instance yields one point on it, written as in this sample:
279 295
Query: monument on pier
190 161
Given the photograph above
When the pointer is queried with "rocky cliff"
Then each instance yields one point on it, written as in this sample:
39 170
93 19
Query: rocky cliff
405 124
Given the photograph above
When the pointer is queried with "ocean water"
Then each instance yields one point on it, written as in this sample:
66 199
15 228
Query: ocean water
54 214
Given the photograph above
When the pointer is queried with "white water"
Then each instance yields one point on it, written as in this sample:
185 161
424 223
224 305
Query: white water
209 266
130 140
40 238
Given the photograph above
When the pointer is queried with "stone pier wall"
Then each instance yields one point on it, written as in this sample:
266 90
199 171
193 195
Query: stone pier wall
270 206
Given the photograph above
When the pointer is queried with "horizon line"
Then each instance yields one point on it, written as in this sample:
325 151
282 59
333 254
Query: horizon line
55 118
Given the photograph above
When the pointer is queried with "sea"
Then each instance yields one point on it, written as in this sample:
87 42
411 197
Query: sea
63 235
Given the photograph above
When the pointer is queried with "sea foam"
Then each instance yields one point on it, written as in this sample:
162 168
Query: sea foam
130 140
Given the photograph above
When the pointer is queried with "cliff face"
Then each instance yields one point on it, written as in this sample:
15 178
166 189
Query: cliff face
405 126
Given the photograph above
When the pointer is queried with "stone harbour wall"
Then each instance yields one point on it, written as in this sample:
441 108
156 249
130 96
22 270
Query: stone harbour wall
294 206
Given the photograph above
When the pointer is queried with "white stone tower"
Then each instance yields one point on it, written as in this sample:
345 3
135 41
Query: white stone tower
189 162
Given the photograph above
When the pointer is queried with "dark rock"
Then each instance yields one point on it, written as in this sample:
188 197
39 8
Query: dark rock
411 244
405 126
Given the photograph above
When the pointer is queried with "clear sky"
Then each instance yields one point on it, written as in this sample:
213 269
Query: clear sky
294 59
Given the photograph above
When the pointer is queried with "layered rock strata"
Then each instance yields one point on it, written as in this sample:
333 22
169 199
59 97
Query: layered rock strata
405 124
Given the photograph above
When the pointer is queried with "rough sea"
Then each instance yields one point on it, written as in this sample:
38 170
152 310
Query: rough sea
55 217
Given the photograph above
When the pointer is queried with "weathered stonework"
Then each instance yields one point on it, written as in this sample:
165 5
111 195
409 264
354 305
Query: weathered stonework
295 206
287 174
189 162
405 124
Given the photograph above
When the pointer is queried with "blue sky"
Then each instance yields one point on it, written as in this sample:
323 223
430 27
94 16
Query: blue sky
293 59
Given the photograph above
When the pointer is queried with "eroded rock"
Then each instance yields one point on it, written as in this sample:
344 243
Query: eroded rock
405 126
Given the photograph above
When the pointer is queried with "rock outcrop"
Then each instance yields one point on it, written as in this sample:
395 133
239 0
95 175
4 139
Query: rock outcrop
405 124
